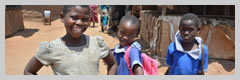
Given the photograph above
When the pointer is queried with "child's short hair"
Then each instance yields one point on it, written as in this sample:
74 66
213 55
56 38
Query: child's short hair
193 17
132 20
66 8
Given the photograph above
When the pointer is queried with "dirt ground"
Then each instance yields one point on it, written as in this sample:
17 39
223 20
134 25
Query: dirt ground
20 47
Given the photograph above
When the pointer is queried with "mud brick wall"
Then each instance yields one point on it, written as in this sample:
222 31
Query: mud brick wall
13 21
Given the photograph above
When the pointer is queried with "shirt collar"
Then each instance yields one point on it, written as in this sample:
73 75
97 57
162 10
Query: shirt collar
117 48
196 53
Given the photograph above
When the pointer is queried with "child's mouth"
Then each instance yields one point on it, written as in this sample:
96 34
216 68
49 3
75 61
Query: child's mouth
76 29
124 42
187 37
121 40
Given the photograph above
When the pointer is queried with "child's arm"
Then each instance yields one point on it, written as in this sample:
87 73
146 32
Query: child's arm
135 58
107 56
112 64
137 69
169 58
166 73
33 67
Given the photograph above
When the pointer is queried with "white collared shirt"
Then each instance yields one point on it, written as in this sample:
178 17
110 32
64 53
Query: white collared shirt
196 53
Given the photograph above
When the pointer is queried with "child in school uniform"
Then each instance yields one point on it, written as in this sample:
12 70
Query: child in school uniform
75 53
185 53
128 30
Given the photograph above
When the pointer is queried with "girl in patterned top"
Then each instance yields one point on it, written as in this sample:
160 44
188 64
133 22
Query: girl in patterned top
75 53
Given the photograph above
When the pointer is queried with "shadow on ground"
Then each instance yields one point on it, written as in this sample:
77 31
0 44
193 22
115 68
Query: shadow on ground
24 33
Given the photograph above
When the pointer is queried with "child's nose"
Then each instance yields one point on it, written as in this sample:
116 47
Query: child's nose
79 22
125 37
186 32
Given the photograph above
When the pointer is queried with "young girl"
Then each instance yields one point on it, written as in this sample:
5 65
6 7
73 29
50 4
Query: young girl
184 54
128 30
75 53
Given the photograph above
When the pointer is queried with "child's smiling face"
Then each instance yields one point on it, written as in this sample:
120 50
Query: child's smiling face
126 33
188 30
76 20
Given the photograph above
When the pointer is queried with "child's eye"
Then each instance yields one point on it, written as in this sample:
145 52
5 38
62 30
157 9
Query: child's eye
74 17
85 19
132 35
191 29
182 29
121 32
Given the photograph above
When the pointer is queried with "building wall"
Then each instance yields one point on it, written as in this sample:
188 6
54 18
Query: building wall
13 21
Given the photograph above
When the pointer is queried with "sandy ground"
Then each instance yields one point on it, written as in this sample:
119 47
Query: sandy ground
20 47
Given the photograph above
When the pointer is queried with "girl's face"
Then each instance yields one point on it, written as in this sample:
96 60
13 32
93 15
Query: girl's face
126 33
76 21
188 30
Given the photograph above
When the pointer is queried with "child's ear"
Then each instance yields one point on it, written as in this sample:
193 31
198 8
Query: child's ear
62 16
118 28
